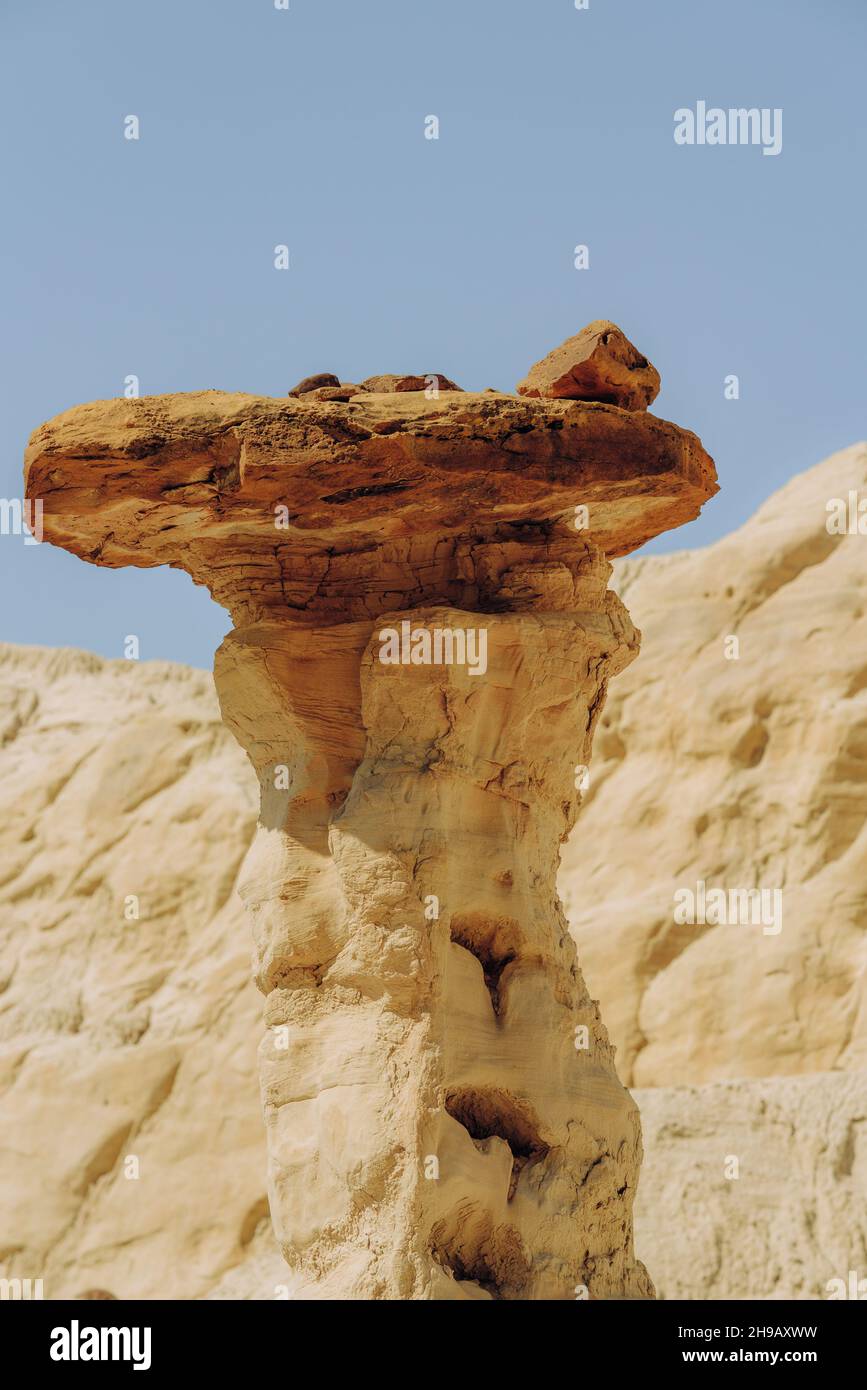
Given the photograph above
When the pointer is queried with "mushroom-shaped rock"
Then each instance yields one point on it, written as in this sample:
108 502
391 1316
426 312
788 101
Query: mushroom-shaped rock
424 637
598 364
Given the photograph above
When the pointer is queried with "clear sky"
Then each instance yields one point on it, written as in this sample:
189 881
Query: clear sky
305 126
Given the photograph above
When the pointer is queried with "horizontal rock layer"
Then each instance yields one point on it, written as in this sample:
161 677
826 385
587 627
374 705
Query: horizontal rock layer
324 511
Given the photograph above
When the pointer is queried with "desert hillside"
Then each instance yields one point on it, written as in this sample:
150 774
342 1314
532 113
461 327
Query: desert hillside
122 1035
132 1153
744 772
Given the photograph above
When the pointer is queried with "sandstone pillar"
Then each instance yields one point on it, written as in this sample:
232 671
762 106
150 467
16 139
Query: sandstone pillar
422 646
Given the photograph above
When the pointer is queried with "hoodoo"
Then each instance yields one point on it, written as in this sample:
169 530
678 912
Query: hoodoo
443 1112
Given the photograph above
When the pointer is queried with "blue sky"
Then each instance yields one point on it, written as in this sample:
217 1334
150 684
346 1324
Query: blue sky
306 127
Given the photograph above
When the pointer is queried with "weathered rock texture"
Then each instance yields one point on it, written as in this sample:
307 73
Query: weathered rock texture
789 1221
443 1112
785 1221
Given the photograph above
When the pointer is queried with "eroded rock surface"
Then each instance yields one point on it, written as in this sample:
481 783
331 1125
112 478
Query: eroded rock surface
756 1189
443 1112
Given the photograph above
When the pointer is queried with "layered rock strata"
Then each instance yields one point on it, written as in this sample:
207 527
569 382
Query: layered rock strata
422 648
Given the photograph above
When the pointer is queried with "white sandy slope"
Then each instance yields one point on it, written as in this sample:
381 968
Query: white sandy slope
742 773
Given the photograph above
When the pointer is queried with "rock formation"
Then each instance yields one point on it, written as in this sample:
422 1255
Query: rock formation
422 648
137 1037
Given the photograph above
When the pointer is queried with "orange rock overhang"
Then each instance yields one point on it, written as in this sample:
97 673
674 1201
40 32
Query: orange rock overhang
188 479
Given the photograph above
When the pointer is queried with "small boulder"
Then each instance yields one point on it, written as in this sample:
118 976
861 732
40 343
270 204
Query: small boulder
310 383
389 381
598 364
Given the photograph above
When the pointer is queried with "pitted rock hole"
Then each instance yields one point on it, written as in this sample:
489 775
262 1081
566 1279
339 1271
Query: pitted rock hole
489 1112
494 942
